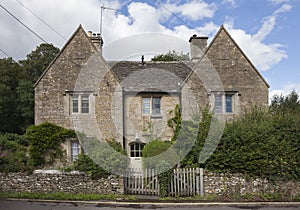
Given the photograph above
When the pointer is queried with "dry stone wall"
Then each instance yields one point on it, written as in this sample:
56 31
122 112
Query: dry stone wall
60 182
238 184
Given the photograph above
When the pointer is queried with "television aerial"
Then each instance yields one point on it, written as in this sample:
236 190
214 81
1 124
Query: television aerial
101 15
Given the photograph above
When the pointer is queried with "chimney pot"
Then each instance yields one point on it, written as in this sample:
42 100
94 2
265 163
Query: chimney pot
96 39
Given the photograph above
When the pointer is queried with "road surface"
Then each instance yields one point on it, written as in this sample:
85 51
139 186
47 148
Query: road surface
44 205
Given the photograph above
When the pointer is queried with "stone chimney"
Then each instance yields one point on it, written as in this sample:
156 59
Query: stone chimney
197 46
97 40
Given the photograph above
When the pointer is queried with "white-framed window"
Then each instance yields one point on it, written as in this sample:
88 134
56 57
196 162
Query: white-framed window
75 105
223 103
75 150
85 104
151 105
136 149
80 103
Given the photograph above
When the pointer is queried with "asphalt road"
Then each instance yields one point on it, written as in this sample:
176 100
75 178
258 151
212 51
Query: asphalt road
38 205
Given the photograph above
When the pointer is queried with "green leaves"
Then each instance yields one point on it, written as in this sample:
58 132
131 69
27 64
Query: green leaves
45 143
171 56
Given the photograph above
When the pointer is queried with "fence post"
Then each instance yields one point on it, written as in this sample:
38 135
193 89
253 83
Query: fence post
201 182
197 181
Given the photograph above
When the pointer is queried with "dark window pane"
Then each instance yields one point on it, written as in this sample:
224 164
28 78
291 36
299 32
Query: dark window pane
228 102
75 103
156 106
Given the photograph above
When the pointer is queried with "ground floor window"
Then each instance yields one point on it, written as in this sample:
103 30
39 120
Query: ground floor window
75 150
136 149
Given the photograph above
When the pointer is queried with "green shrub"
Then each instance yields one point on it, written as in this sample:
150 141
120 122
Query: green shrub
45 143
85 164
12 155
103 158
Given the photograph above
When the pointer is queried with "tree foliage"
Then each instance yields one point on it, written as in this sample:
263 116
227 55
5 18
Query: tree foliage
16 88
13 153
38 60
171 56
262 142
11 79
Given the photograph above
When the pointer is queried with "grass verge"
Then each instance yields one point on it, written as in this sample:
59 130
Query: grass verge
67 196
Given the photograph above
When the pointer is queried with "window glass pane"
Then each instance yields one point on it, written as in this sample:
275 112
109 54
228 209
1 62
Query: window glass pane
75 103
75 150
228 103
85 104
136 149
218 104
156 106
146 105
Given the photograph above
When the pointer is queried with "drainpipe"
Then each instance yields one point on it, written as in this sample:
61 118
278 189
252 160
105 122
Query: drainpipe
123 120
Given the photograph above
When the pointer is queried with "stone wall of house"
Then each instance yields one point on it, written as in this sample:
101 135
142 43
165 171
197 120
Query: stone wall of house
59 182
225 68
235 184
147 127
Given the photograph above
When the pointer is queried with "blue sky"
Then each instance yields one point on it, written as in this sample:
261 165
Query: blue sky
267 30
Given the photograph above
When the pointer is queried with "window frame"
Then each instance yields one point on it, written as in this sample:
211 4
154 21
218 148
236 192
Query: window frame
80 102
153 105
85 104
224 102
136 149
75 155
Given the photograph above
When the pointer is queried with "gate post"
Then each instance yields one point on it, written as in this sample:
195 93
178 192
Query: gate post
201 182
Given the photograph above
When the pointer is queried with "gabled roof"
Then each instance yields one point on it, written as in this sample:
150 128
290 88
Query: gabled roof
61 52
223 29
151 76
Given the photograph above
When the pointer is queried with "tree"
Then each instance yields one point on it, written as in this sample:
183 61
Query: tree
10 75
290 103
38 60
171 56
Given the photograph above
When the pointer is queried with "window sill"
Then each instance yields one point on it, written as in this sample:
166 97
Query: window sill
156 117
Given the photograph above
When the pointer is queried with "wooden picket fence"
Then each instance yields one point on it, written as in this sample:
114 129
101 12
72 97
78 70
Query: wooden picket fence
141 182
185 182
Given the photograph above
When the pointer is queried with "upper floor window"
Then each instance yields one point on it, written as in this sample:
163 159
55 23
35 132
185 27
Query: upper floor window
75 107
223 103
85 104
80 103
152 105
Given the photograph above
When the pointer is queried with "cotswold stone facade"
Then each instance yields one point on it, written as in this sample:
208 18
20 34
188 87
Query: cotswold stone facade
131 102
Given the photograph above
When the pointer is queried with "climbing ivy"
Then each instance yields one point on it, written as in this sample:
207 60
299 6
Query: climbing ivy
45 143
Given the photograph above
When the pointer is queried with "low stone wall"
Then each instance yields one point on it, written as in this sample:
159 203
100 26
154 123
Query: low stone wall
76 182
220 184
54 181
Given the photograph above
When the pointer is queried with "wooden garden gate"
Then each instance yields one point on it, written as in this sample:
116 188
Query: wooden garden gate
141 182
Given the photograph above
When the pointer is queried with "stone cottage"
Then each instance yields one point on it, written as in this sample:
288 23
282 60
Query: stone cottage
131 101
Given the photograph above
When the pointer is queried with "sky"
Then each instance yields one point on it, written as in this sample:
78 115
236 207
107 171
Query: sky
266 30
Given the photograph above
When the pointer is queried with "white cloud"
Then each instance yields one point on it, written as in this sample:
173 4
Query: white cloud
263 55
193 10
278 1
286 90
141 18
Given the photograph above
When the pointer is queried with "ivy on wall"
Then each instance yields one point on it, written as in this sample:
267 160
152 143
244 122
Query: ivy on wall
45 143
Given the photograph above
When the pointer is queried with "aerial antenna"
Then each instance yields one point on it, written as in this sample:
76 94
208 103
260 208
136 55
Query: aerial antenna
101 15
